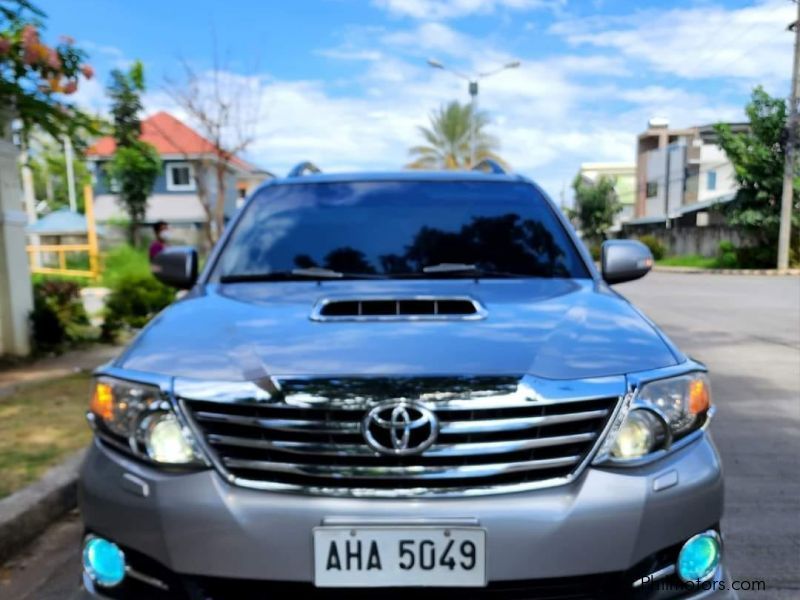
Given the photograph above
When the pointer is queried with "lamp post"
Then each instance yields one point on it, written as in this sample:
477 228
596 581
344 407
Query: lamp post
472 87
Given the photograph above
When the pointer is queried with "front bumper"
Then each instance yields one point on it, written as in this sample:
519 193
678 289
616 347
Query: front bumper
607 525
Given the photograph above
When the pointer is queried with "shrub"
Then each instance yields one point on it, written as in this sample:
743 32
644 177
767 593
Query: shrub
596 250
58 318
122 262
726 255
756 257
134 300
656 248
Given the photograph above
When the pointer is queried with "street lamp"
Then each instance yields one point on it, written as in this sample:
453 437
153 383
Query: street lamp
473 93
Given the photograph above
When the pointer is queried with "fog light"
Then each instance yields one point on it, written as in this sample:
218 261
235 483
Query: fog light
165 441
699 557
103 561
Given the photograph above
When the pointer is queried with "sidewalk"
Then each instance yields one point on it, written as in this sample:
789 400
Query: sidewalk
762 272
57 366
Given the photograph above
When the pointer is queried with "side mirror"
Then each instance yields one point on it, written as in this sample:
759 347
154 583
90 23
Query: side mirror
625 260
176 266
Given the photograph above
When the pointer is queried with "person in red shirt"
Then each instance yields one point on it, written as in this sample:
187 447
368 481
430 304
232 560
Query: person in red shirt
158 244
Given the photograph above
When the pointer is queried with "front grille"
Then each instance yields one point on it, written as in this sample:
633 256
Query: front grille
485 439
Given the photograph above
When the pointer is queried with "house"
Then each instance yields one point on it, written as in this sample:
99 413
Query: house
175 197
683 177
624 176
680 171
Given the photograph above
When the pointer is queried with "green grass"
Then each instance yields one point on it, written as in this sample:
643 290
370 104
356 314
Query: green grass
690 260
40 425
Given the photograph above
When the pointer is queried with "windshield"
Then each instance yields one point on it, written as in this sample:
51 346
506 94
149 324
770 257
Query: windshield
399 228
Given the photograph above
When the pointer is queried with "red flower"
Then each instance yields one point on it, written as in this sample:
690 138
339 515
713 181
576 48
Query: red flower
70 87
53 59
30 37
31 55
87 71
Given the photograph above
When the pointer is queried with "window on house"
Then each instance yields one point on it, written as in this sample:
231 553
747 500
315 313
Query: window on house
180 177
711 181
652 189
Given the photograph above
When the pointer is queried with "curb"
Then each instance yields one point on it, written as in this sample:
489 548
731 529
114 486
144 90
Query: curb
761 272
27 512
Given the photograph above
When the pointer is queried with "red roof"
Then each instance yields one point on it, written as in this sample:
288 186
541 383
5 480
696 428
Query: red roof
169 136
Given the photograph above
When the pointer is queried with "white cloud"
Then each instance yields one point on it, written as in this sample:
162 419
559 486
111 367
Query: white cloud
432 37
91 95
702 42
449 9
344 53
551 114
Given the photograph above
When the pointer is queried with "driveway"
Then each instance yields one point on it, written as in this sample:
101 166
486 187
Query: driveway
747 330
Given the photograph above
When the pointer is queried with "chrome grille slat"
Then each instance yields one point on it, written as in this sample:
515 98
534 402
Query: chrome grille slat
415 471
282 424
515 424
308 435
454 450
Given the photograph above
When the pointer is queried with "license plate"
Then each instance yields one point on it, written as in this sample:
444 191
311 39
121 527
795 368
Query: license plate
399 556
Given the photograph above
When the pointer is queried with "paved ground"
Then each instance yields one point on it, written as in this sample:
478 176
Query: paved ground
747 330
55 366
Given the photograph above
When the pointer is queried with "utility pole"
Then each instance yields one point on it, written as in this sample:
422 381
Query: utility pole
473 95
29 196
68 155
787 198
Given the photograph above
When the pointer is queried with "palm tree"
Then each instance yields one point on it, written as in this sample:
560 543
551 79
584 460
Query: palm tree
448 139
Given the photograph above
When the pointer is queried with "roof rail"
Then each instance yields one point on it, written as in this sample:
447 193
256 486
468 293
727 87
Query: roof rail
302 168
487 165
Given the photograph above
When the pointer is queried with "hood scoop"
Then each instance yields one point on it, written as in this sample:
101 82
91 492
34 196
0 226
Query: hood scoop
416 308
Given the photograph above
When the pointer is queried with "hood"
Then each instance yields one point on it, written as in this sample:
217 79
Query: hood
550 328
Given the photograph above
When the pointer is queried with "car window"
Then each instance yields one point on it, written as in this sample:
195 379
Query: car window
399 228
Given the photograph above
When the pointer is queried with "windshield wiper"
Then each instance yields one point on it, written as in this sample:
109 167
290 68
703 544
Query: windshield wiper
294 274
471 269
450 268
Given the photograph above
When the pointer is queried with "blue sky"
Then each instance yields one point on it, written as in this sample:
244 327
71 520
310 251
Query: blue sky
345 84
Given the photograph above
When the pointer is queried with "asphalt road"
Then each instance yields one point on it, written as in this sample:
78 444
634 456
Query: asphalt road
747 330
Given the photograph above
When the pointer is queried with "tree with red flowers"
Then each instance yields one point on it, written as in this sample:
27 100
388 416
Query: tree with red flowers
36 79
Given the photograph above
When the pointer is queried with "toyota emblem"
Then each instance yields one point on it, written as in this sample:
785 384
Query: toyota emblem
400 427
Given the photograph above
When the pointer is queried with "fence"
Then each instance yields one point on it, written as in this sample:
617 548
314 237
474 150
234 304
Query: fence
39 254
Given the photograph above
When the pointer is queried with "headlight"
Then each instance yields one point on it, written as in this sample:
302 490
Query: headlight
164 439
137 418
641 433
661 412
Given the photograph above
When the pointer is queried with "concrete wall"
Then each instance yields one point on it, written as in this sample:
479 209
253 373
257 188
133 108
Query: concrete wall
679 241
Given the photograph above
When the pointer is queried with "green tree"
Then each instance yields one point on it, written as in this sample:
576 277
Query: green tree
36 78
448 139
49 168
596 204
136 164
758 159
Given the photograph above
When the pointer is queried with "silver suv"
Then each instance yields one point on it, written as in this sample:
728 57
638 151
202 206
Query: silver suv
393 384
